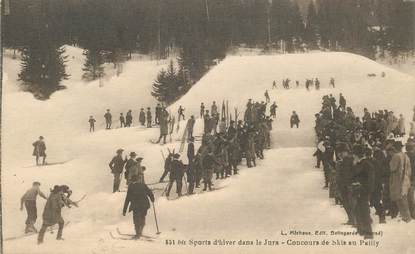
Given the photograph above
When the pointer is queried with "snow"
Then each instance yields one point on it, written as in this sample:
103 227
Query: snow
283 193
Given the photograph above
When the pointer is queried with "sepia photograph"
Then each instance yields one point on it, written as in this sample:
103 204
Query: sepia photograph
207 126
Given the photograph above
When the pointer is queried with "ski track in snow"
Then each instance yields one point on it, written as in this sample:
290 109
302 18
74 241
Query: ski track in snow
282 193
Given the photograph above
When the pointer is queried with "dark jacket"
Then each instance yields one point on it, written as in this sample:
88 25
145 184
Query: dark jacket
364 174
39 148
53 207
137 198
177 169
190 152
117 164
344 172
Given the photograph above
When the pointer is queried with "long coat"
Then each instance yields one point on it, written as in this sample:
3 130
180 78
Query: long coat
39 148
137 198
52 212
164 129
400 177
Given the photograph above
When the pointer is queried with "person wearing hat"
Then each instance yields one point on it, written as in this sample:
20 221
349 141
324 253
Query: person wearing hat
131 167
129 119
410 151
190 173
122 120
273 110
363 188
189 126
176 175
163 125
91 124
39 150
136 201
117 166
400 180
148 117
29 201
294 120
202 110
108 120
142 117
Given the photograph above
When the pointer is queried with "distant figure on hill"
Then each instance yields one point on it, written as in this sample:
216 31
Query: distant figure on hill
274 85
294 120
142 117
39 150
122 120
148 117
267 99
108 120
129 119
91 124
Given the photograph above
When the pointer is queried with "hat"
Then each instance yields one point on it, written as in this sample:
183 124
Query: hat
120 150
139 159
133 154
41 137
36 183
176 155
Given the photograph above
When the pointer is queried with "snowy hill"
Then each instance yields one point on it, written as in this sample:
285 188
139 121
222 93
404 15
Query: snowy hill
282 193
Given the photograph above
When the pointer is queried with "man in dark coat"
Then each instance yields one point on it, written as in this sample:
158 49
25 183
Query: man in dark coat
108 120
273 110
294 120
142 117
129 119
122 120
163 123
189 126
176 175
39 150
117 166
148 118
158 113
91 124
202 110
137 201
191 174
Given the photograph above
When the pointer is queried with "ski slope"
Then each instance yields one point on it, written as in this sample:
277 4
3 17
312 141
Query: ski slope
283 193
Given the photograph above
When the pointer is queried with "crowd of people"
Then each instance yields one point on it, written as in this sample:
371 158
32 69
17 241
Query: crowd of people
308 83
364 163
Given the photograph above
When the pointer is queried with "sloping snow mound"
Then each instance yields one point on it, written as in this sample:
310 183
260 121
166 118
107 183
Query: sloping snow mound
238 78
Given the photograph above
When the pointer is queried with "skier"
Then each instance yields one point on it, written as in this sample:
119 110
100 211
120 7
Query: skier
267 99
91 124
332 82
58 198
131 167
190 124
167 166
274 85
317 84
142 117
108 120
214 109
294 120
202 110
136 200
176 175
191 174
122 120
39 150
148 117
180 111
129 119
207 165
29 201
273 110
117 166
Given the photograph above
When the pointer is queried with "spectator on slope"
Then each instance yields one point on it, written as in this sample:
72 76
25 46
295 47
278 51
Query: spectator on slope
164 128
317 84
29 201
266 94
273 110
412 129
39 150
91 124
342 101
167 167
274 85
202 110
142 117
136 201
180 111
129 119
117 166
214 109
297 83
410 151
189 126
294 120
176 175
207 123
401 126
400 179
332 82
108 120
148 117
158 112
133 167
363 182
122 120
191 172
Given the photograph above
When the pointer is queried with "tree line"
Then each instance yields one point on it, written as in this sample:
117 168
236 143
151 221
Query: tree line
200 30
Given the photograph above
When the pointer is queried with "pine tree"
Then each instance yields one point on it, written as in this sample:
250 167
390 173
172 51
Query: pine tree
167 86
311 26
93 67
42 70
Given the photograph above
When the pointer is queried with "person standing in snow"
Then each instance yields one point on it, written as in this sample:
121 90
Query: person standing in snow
129 119
332 82
180 111
29 201
122 120
214 109
108 120
202 110
39 150
207 123
176 175
58 198
91 124
158 113
401 126
294 120
137 201
412 129
142 117
190 124
273 110
167 167
342 101
148 117
317 84
191 174
117 166
274 85
164 128
267 99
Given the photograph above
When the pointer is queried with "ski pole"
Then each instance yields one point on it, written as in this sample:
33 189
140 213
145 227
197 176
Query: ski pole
155 218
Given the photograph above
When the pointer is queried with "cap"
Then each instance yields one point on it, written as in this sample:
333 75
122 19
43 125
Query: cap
133 154
120 150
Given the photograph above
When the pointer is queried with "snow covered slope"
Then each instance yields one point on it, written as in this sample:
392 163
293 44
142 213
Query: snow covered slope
282 193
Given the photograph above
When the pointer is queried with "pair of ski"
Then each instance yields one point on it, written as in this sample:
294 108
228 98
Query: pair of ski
123 236
49 229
